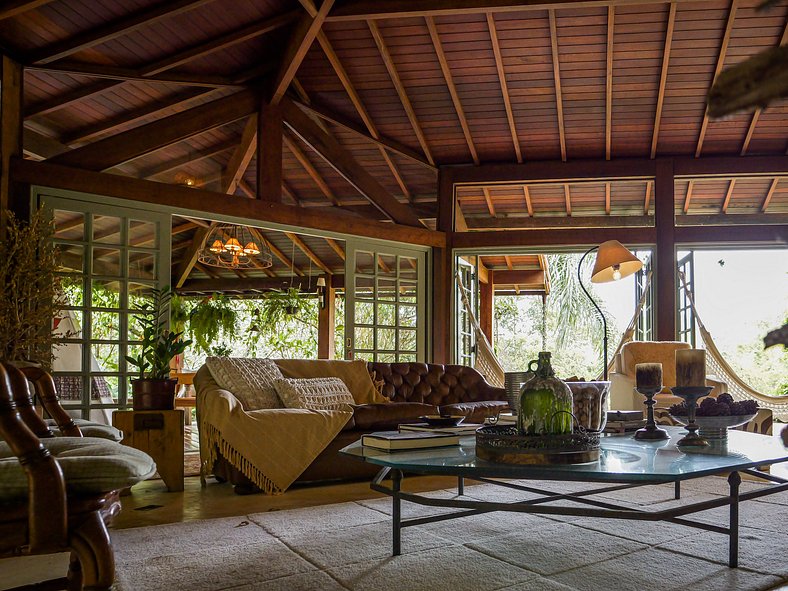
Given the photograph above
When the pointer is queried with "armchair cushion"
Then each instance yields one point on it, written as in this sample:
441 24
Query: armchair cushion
663 352
385 416
250 380
90 429
90 466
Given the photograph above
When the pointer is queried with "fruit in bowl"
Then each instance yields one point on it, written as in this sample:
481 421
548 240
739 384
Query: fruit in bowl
715 416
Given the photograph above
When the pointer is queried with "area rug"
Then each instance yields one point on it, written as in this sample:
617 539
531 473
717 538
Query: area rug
347 546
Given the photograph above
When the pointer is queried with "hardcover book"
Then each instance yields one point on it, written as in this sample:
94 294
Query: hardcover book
394 440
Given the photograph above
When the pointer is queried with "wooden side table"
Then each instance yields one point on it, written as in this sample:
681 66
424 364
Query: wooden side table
159 433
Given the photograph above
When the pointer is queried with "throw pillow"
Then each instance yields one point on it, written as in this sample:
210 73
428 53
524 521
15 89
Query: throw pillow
250 380
314 393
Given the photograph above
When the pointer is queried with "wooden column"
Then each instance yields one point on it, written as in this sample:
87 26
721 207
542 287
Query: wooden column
442 282
10 130
664 219
486 299
269 153
326 322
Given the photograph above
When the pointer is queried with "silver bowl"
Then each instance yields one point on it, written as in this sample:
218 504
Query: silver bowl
716 427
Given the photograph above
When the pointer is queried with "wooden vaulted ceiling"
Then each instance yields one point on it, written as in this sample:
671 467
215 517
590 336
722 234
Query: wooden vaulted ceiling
405 87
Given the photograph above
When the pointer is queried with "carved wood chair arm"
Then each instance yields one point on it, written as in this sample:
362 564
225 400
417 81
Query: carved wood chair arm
47 394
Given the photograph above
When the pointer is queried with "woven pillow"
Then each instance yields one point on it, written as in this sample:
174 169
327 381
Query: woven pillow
250 380
315 393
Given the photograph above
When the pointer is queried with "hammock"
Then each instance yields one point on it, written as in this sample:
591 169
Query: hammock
485 362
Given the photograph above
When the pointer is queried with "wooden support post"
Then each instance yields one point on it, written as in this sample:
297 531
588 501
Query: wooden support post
326 322
269 154
10 131
486 299
443 281
664 219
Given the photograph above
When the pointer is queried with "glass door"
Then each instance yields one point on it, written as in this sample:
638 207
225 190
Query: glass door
465 342
110 258
385 307
686 317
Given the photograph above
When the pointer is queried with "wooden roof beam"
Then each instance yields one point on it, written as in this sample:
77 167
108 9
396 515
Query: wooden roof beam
298 45
769 195
507 103
120 74
276 251
607 198
243 285
611 16
310 169
296 239
528 204
189 158
342 74
455 98
559 102
242 156
488 201
688 197
136 142
336 247
400 88
728 195
567 199
345 164
663 77
12 8
726 37
647 200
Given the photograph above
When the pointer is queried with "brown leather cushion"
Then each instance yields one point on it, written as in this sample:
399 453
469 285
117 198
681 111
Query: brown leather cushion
475 412
388 416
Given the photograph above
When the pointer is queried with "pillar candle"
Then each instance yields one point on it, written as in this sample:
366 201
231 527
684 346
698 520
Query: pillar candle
648 375
690 367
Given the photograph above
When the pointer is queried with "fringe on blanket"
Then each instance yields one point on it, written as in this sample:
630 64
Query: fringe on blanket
215 442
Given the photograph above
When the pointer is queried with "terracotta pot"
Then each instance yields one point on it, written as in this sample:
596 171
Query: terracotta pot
150 394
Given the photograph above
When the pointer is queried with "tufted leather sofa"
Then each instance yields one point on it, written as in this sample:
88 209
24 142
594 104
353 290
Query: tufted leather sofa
414 389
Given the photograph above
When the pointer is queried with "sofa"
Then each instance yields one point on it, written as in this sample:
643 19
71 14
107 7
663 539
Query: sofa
410 390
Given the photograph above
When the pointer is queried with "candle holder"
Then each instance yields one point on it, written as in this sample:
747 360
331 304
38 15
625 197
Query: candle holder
650 432
691 395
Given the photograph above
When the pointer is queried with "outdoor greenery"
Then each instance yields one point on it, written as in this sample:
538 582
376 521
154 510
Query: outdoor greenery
208 319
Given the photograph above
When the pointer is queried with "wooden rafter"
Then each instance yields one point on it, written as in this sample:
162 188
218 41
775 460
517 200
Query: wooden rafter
12 8
310 169
246 189
455 97
559 102
611 19
769 195
757 113
510 267
298 45
488 201
400 88
239 161
344 78
507 103
62 101
127 145
728 195
647 201
296 239
567 199
607 198
288 191
336 247
189 158
277 252
688 197
528 205
123 74
663 77
726 37
343 162
460 223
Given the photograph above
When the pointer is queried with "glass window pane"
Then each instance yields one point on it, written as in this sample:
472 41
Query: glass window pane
69 225
142 265
407 268
364 338
365 287
364 355
364 262
139 295
406 357
68 325
107 356
387 339
387 315
73 290
407 340
106 261
134 329
387 357
105 294
107 229
142 233
69 388
387 264
407 315
70 258
387 289
105 326
104 389
68 357
408 292
365 313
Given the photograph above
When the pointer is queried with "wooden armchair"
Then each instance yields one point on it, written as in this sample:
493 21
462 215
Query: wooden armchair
50 505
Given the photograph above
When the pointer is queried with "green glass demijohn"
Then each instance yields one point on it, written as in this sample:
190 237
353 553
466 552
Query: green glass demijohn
545 401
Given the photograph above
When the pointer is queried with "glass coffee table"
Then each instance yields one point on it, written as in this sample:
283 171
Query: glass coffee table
624 463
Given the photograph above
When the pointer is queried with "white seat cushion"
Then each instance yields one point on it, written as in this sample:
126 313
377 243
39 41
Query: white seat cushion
91 429
90 465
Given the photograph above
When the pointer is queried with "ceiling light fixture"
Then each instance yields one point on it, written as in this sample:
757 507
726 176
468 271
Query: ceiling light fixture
235 247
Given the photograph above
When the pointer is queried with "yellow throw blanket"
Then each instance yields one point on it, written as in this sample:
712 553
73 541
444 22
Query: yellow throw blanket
271 447
353 373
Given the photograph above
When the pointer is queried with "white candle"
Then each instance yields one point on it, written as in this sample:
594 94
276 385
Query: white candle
648 375
690 367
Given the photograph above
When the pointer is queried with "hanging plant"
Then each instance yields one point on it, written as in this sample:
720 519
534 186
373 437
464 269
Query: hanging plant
279 305
213 316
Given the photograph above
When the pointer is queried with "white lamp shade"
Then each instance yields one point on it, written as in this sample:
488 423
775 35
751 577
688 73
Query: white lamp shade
613 259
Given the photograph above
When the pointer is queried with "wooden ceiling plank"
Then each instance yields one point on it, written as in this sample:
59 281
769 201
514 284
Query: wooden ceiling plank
246 189
296 239
559 102
346 165
647 201
288 191
298 45
337 248
455 98
663 77
310 169
66 99
607 198
557 222
726 37
344 78
611 16
400 88
488 201
528 205
728 195
507 103
769 195
12 8
688 197
567 200
189 258
189 158
114 29
136 142
122 74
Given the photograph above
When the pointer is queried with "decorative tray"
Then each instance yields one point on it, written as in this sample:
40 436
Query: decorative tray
504 444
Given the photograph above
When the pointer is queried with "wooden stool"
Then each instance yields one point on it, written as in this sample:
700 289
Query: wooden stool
159 433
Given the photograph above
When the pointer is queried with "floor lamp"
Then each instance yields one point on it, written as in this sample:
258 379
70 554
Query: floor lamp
613 262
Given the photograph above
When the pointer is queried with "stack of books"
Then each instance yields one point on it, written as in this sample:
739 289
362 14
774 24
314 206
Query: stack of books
398 440
624 421
464 429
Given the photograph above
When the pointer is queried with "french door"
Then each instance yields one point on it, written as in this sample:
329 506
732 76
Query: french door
465 341
686 317
385 302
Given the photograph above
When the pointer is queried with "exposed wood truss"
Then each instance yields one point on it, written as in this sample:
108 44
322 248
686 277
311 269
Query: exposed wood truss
663 77
611 15
308 251
14 7
559 101
507 103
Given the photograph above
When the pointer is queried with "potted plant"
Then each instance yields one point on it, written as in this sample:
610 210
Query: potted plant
213 316
154 389
279 304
